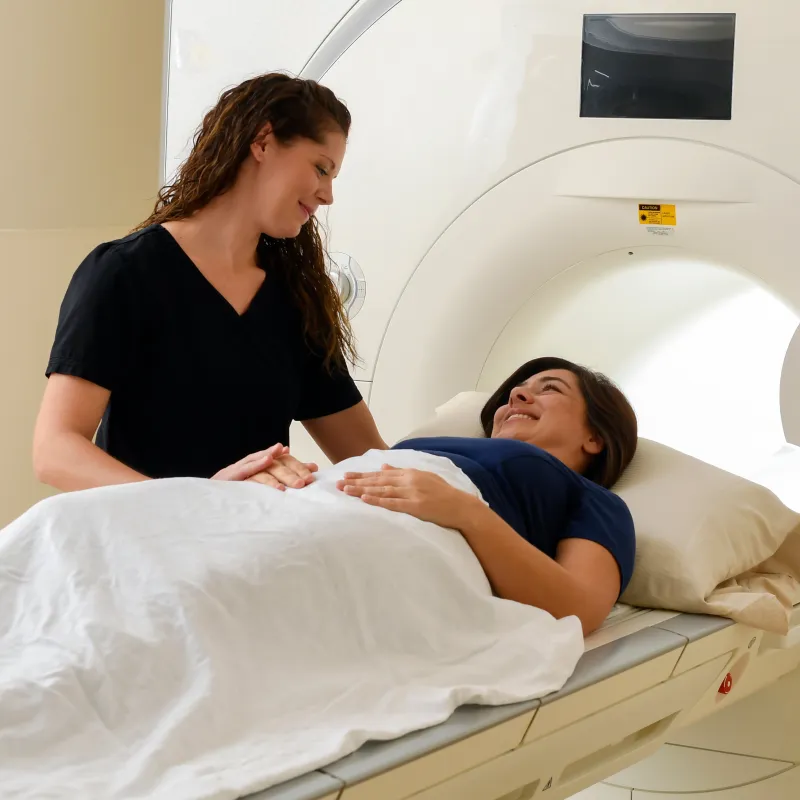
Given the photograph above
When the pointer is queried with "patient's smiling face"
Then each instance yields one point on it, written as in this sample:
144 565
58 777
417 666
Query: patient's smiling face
548 410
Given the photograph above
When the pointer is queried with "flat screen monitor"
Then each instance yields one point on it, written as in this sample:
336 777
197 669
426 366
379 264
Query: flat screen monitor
658 66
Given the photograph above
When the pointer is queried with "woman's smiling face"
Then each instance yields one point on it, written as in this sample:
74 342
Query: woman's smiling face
548 410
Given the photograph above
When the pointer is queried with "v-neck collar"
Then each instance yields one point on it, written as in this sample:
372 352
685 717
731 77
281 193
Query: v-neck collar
187 261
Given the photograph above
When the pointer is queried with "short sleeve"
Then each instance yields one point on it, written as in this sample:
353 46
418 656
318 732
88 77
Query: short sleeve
93 338
325 391
604 518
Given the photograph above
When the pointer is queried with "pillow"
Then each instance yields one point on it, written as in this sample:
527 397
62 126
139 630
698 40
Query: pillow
460 416
707 541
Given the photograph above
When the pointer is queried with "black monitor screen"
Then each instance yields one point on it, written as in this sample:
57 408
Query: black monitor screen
659 66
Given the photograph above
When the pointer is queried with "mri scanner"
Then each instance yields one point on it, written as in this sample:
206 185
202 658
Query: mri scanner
576 178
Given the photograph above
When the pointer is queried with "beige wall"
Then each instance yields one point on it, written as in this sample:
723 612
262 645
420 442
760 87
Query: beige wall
80 150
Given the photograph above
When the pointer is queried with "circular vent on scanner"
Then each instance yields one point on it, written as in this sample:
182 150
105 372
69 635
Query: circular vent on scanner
349 280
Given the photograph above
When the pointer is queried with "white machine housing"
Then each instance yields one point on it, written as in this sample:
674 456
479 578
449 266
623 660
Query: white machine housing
477 200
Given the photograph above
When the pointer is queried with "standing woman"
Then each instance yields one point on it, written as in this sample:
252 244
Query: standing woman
197 339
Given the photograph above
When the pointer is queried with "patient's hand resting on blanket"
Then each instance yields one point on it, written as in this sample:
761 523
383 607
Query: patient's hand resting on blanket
424 495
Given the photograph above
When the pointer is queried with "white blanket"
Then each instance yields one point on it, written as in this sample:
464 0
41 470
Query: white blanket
186 639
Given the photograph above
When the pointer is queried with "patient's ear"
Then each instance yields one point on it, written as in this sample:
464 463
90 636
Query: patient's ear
593 445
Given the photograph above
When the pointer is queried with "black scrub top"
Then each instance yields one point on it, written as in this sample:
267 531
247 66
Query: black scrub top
194 385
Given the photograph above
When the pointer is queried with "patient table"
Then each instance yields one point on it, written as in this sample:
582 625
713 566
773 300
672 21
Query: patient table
644 675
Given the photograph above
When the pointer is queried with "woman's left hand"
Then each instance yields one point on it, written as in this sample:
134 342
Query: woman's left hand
421 494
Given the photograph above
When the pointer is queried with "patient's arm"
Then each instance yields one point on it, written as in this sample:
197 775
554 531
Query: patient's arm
583 580
597 572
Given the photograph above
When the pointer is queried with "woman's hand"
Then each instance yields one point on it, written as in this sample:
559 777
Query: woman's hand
272 467
423 495
286 472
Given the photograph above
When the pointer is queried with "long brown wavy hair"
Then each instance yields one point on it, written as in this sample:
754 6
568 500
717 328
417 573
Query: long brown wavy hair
608 413
293 108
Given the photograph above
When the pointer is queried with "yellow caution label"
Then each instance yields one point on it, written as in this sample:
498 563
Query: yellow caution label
657 214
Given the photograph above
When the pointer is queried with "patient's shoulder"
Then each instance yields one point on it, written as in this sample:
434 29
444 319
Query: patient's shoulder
511 454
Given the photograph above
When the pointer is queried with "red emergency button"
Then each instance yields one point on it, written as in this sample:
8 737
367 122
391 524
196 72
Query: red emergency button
726 685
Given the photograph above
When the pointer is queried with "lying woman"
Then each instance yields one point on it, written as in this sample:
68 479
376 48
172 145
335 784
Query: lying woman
552 535
189 638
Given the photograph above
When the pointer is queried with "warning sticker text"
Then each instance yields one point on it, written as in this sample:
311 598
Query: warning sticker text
657 214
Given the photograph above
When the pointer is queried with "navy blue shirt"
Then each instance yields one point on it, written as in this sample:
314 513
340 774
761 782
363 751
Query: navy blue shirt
541 498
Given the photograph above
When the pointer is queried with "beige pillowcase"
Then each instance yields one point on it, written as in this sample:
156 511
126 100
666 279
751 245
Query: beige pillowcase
707 541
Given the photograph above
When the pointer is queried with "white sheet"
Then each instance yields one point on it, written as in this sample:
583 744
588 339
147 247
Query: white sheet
195 639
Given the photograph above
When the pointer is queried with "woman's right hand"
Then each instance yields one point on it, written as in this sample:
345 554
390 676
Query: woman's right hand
250 465
274 467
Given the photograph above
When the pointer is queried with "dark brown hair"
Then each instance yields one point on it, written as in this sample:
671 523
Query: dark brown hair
293 108
608 414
